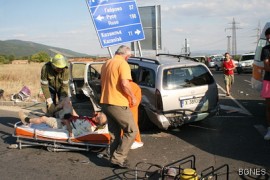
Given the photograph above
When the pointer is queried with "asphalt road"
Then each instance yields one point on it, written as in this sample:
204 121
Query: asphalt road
235 137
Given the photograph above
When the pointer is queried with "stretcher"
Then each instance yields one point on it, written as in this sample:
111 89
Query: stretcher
58 139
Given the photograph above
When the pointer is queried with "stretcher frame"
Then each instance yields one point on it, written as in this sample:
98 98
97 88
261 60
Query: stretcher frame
56 145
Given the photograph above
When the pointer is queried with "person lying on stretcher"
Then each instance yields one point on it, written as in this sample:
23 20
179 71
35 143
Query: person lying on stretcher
76 125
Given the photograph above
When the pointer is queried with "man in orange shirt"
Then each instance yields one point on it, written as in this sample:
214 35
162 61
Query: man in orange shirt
115 90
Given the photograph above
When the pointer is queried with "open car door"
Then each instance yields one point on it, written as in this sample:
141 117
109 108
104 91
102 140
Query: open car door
85 81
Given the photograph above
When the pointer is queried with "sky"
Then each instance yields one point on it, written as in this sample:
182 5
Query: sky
204 23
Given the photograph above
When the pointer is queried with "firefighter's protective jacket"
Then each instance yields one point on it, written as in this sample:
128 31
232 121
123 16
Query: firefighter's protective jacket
58 82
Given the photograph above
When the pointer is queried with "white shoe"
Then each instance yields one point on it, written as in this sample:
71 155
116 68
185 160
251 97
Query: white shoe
267 135
136 145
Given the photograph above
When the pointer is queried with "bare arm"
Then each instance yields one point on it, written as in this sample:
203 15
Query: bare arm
233 65
127 89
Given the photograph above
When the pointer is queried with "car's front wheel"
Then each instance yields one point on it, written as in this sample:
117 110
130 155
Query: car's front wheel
239 70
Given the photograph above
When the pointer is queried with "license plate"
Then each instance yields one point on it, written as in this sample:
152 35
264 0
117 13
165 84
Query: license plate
190 102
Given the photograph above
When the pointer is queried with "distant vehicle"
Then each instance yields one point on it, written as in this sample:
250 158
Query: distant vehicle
215 61
257 72
245 63
218 62
202 59
210 62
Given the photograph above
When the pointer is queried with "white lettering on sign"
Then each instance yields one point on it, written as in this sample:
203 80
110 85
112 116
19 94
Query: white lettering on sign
116 39
114 33
113 22
102 1
110 17
112 10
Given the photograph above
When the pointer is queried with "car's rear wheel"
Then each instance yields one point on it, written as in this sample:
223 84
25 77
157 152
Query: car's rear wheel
144 122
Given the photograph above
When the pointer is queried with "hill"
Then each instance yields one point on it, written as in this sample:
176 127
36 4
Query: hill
20 48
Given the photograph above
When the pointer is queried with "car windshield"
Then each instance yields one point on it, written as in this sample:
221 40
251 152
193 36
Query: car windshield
178 78
247 57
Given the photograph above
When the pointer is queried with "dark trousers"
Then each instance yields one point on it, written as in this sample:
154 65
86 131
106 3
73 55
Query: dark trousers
54 94
120 118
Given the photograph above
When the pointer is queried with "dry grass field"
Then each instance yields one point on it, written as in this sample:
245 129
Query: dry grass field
14 76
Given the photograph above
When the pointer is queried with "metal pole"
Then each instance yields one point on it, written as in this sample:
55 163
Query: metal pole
140 48
110 52
156 26
135 48
186 46
229 44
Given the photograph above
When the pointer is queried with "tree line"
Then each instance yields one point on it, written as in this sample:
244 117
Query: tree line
37 57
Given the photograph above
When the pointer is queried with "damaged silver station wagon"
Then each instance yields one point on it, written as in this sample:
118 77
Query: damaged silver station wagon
176 89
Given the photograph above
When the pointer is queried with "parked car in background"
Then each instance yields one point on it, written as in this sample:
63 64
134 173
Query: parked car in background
176 89
245 63
202 59
215 61
218 60
210 62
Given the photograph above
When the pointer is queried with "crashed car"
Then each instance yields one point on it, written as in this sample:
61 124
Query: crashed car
176 89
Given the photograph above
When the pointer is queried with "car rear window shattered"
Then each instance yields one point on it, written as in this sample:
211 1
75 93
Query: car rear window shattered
185 77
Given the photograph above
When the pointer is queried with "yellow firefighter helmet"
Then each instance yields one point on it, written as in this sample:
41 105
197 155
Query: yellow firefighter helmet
59 61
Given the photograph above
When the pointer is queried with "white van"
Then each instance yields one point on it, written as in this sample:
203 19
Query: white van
257 72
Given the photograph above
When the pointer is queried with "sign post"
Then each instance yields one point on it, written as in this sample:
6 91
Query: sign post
116 21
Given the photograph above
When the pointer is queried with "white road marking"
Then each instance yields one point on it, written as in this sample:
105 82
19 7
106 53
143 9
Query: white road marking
243 109
248 81
231 109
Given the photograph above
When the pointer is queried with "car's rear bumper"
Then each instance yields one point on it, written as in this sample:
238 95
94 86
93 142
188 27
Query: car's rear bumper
211 64
246 68
164 121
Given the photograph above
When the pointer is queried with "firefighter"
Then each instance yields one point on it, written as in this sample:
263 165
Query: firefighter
54 81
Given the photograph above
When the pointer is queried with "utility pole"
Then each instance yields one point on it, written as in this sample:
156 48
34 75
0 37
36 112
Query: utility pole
234 44
229 44
258 29
186 48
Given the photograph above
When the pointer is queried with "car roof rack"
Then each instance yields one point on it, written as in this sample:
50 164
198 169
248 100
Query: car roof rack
146 60
178 56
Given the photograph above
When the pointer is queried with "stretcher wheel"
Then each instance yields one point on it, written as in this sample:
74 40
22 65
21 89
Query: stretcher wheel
97 149
13 146
50 149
